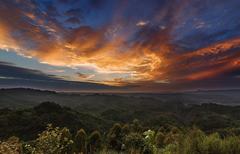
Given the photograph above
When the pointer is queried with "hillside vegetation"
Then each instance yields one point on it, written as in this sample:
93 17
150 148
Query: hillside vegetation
109 124
130 138
207 117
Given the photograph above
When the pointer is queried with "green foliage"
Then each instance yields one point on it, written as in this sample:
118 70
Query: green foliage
197 142
136 126
231 145
125 129
58 141
81 141
48 107
171 138
149 142
213 144
94 142
134 142
216 136
193 142
170 149
159 139
66 141
11 146
52 141
95 113
115 137
28 123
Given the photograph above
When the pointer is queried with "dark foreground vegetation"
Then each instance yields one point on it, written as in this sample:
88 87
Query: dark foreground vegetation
28 123
130 138
163 128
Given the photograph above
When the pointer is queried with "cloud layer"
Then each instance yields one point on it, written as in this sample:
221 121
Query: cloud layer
128 42
13 76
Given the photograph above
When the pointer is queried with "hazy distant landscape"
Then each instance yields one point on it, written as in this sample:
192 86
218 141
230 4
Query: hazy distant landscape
25 98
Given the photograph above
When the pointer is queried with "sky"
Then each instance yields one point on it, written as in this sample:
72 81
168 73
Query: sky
120 45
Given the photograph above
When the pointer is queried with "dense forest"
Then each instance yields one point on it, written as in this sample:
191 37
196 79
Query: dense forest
171 128
130 138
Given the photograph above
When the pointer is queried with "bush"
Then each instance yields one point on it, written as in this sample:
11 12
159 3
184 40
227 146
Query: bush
94 142
134 142
115 137
81 141
212 144
11 146
52 141
193 142
59 141
159 139
231 145
149 142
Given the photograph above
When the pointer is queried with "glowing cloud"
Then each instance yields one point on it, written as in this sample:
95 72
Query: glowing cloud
122 49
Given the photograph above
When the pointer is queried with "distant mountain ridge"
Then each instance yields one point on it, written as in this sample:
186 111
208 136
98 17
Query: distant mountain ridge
26 97
53 91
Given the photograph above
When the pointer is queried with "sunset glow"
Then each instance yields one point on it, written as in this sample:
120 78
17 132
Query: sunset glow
145 45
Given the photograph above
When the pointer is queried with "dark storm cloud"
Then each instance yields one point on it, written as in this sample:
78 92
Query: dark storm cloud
8 70
12 76
235 73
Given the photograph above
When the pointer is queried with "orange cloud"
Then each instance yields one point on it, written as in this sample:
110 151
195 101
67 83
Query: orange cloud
206 62
151 57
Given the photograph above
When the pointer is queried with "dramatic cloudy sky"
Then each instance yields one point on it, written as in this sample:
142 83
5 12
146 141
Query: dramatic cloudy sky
122 45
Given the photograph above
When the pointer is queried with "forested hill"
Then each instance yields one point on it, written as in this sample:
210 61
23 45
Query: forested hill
25 113
27 123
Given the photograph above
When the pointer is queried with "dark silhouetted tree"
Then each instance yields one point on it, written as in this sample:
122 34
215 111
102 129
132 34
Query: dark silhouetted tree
136 126
159 139
115 138
81 141
94 142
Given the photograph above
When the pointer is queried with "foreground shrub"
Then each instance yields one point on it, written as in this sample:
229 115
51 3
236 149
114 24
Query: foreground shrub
159 139
59 141
193 142
81 141
149 142
115 137
52 141
212 144
134 143
11 146
231 145
94 142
